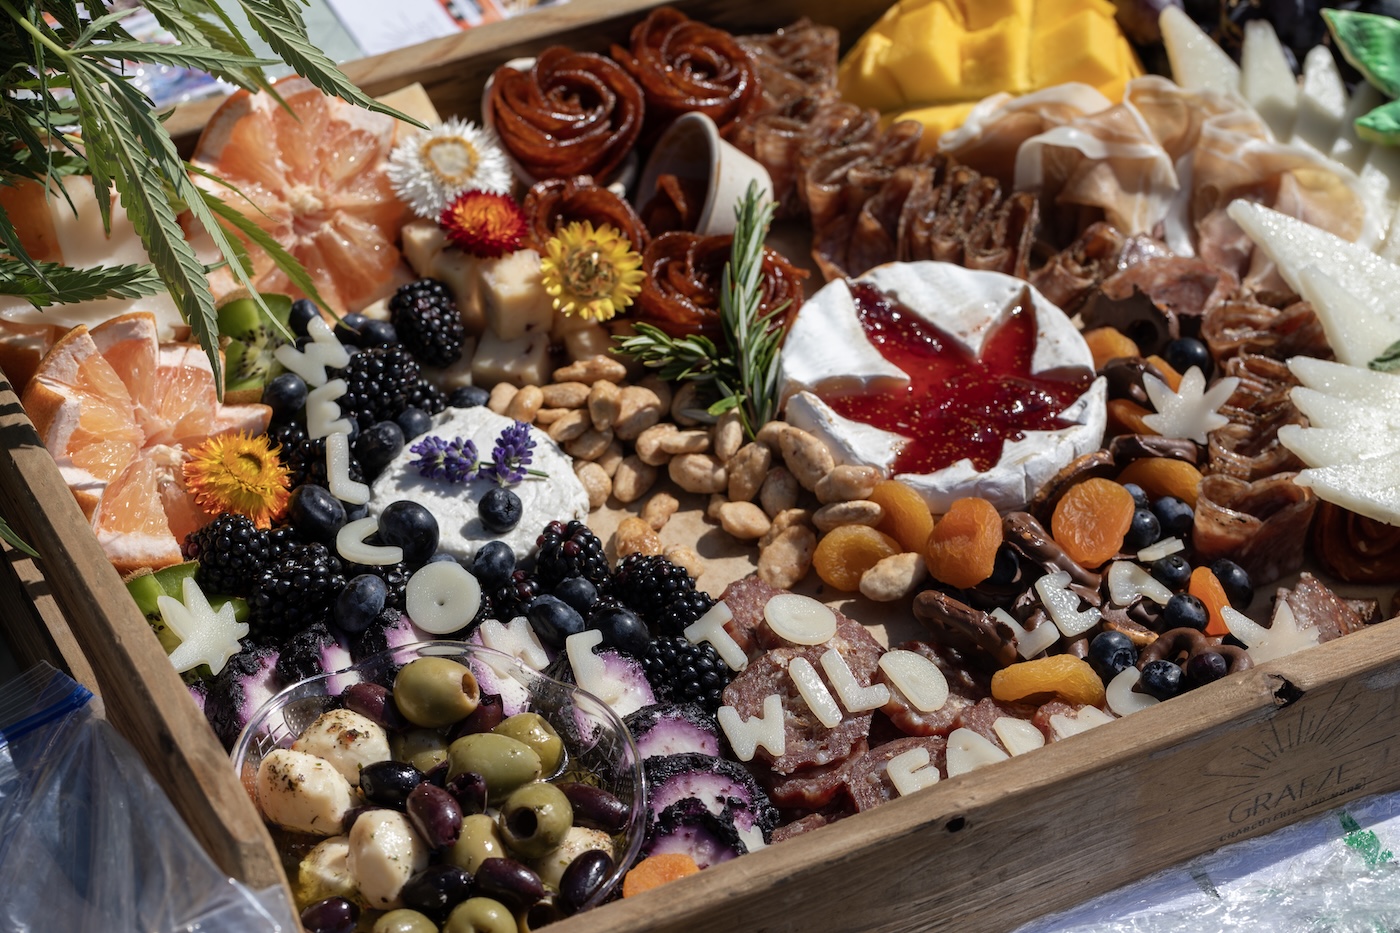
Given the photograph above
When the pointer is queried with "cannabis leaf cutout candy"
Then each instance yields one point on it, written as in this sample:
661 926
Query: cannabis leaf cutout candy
1190 411
1283 637
206 636
1371 44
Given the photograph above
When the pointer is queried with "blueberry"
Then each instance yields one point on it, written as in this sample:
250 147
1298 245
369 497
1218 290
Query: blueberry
1006 566
578 592
1185 611
441 557
350 330
1234 580
1176 516
1139 495
1184 352
493 564
303 310
500 510
1160 679
553 620
1173 571
285 395
1206 667
377 334
622 629
1110 652
316 514
415 422
468 397
408 525
362 599
1144 530
378 445
354 513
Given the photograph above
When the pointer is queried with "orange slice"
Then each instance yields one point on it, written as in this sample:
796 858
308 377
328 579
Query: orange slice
317 181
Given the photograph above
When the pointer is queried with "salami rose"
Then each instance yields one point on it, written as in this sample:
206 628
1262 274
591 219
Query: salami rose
683 65
558 202
571 113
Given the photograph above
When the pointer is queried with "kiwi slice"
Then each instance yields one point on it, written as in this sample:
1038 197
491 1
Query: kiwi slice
248 359
147 588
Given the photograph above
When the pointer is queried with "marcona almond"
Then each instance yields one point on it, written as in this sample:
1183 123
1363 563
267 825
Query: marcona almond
604 403
500 397
806 456
591 370
659 509
565 394
699 473
786 560
572 425
855 512
547 416
743 520
686 442
589 445
847 482
779 491
783 521
611 457
894 577
525 404
729 435
685 404
638 410
747 470
648 443
660 386
633 479
596 483
770 435
635 536
687 558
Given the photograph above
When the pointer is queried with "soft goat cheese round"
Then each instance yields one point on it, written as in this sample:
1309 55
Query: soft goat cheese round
965 303
455 505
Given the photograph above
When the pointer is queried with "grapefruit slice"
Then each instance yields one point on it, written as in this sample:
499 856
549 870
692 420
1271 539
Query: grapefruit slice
116 409
317 182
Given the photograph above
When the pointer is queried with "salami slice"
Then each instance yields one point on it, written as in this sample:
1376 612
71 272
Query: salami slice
983 715
870 782
813 788
965 688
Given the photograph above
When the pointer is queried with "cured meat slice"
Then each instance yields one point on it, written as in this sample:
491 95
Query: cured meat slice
870 781
965 689
1069 275
808 823
982 717
813 788
1244 326
1262 526
1316 606
1356 548
1185 288
746 599
558 202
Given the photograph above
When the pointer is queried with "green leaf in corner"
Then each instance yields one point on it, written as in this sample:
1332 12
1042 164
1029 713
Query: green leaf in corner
1389 361
12 538
1371 43
1381 125
46 283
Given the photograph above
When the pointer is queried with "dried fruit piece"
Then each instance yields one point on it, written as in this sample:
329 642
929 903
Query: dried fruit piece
656 870
1205 586
1169 374
1091 520
1109 343
1064 675
962 548
907 518
1125 417
1163 476
845 554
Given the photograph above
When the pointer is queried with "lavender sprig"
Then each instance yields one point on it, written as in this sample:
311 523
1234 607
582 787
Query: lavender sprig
510 458
456 462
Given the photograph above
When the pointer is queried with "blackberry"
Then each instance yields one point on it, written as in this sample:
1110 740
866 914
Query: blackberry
305 458
652 585
681 672
395 577
295 592
571 550
428 322
683 610
281 542
510 598
382 383
230 551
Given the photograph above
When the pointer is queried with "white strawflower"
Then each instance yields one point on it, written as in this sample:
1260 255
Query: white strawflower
430 169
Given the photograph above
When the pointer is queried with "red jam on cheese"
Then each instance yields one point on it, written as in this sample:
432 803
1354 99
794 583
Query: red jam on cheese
958 404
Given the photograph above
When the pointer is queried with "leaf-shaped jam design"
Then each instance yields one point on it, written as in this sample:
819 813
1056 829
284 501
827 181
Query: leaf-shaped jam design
958 404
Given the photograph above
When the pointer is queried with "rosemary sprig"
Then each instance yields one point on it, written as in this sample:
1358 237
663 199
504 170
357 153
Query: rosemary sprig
745 378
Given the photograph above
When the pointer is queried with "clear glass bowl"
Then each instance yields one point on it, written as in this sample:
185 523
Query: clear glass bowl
594 737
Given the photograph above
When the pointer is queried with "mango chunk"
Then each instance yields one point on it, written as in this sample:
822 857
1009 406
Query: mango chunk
987 14
1082 48
925 61
996 59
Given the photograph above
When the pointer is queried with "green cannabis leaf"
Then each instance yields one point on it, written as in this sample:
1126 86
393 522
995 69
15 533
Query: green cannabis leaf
68 107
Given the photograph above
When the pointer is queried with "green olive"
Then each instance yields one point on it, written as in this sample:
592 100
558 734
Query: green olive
435 692
504 762
404 920
477 842
535 731
535 819
480 915
422 748
538 916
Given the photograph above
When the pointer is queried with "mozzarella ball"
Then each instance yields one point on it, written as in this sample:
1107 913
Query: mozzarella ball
347 740
385 852
303 793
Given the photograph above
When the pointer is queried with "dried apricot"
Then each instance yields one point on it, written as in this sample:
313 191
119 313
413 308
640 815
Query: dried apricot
907 518
1064 675
845 554
1125 417
962 548
1163 476
1206 587
1109 343
1091 520
1169 375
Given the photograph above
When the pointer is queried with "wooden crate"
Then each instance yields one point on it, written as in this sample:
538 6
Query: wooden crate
984 852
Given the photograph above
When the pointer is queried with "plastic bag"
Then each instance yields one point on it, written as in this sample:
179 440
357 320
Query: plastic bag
89 843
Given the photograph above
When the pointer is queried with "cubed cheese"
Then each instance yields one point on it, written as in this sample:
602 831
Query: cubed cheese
461 273
516 303
457 375
521 362
422 241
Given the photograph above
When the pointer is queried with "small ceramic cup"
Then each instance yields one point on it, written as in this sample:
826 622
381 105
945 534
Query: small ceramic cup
691 149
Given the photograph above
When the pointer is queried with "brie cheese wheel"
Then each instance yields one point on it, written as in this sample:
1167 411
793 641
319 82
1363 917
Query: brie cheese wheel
558 495
827 352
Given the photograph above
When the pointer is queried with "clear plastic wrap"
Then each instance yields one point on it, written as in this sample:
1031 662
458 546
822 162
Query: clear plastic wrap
89 843
1335 873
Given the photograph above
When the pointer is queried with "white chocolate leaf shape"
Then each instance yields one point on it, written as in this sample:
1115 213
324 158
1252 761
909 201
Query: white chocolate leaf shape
206 636
1191 411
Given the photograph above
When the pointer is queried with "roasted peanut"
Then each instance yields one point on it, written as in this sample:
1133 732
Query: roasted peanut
659 509
604 404
565 394
786 560
855 512
635 536
648 443
747 470
893 577
596 482
744 520
591 370
847 482
698 473
589 445
806 456
632 479
572 425
779 491
500 397
729 436
638 409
